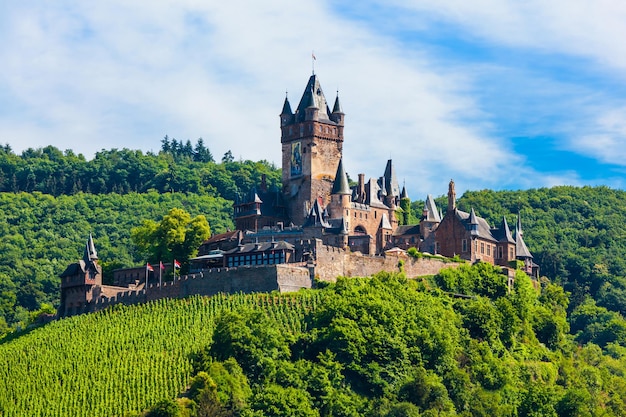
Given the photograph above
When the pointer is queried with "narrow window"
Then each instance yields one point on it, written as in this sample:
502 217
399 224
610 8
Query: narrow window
464 245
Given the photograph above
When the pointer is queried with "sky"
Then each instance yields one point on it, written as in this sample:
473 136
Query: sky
495 94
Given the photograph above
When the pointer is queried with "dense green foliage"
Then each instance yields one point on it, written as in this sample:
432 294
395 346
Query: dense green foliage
177 167
176 236
41 234
576 235
381 346
124 358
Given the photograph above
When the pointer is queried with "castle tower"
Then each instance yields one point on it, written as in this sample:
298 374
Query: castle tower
81 281
312 144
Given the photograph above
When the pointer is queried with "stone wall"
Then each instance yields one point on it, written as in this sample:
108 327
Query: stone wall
246 279
333 262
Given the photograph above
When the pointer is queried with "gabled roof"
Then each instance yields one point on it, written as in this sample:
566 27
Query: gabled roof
313 96
222 237
432 214
341 186
384 222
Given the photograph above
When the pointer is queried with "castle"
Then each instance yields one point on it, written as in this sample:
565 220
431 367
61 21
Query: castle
317 226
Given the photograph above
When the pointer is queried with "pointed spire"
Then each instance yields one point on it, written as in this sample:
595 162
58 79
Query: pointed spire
286 107
341 185
507 232
521 250
473 219
311 99
337 106
473 222
390 185
404 194
90 250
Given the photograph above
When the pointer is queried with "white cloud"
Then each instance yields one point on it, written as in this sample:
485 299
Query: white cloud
93 75
607 142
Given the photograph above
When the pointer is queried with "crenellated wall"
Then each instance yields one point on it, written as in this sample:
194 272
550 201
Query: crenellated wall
246 279
331 262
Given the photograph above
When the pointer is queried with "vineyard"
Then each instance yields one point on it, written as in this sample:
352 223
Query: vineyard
125 358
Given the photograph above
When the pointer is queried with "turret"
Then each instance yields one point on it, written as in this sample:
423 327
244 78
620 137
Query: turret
473 223
337 115
341 192
286 115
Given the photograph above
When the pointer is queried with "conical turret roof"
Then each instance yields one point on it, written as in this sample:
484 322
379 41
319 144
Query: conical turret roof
506 232
341 185
337 106
286 107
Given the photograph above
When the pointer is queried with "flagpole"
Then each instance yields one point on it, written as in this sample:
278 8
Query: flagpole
160 273
147 278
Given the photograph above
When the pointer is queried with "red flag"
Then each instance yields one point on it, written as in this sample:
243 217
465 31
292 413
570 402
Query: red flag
149 267
161 266
176 264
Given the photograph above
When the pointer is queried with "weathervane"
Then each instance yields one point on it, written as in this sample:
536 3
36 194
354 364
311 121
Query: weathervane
313 62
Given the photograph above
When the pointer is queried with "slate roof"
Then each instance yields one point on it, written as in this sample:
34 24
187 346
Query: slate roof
483 228
341 186
411 229
313 96
431 208
261 247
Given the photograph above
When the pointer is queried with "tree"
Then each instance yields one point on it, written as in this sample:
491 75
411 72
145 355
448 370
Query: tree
228 157
177 236
202 153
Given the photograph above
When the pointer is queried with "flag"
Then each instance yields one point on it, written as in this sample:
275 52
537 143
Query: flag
149 267
176 264
161 266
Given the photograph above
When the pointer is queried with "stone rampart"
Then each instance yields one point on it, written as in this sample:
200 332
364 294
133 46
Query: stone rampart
333 262
245 279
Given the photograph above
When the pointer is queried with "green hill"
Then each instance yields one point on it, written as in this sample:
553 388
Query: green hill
380 346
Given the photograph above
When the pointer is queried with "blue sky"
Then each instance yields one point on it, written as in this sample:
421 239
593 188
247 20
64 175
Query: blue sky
494 94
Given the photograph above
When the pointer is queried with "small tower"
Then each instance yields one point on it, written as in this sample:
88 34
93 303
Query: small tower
341 194
81 282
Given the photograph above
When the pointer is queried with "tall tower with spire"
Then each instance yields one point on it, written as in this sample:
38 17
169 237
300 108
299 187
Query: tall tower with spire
312 145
